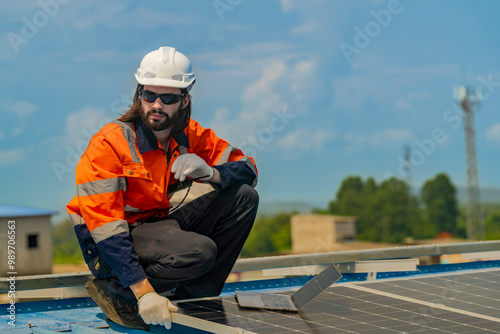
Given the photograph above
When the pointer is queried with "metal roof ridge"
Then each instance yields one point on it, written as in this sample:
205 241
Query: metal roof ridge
15 211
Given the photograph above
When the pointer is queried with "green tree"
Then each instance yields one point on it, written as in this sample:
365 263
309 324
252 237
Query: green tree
397 212
439 198
492 225
269 235
349 197
386 212
66 247
372 220
355 198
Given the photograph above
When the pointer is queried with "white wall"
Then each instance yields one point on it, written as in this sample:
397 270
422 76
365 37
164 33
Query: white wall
29 261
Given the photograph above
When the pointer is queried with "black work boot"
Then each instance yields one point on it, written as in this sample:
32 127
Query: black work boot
121 313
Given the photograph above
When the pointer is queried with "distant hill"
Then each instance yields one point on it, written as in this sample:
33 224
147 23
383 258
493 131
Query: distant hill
488 195
273 208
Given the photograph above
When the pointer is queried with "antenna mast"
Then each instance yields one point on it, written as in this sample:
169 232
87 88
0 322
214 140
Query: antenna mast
469 99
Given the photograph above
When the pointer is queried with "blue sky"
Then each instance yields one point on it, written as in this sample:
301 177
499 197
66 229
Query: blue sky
315 90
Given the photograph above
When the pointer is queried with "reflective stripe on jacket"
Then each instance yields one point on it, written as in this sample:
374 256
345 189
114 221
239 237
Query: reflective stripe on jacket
124 177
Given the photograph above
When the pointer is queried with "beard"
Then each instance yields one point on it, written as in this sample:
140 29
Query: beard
159 125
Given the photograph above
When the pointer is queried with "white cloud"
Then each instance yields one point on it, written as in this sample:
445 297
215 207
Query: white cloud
303 139
17 130
407 101
20 109
83 124
245 58
301 81
13 13
220 121
102 12
392 88
493 133
116 15
286 82
350 93
23 108
300 6
241 27
378 65
388 137
106 56
287 5
259 99
403 104
11 157
305 29
281 84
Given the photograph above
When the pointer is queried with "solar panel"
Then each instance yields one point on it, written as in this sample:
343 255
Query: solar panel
450 303
475 292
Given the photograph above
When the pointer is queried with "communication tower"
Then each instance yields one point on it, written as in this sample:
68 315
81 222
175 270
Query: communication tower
469 99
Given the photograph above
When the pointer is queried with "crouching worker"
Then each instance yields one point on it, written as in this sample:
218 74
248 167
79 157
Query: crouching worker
136 241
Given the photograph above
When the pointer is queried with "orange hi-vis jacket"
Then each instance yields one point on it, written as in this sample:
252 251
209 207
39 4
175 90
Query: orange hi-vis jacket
124 177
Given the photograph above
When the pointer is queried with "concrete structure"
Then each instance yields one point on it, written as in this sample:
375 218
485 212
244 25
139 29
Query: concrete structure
28 232
313 233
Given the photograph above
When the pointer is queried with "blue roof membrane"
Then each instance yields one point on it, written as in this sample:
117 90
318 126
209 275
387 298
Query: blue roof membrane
58 315
63 314
289 283
13 211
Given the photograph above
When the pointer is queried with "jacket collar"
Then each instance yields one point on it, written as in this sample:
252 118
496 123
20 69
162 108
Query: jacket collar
146 140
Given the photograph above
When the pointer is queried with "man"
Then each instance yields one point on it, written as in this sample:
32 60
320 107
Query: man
134 241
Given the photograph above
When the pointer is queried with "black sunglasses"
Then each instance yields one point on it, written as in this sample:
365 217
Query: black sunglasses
149 96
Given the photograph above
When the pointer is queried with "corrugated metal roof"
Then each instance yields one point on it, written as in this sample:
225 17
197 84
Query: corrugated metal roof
12 211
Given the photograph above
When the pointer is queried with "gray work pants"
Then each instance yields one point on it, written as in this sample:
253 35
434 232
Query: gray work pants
194 249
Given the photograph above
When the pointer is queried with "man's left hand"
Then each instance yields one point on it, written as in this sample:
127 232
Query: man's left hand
193 166
155 309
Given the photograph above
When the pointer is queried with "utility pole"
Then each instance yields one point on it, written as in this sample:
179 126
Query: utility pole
469 99
408 170
407 166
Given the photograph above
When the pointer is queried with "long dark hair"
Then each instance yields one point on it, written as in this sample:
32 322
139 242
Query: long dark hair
135 111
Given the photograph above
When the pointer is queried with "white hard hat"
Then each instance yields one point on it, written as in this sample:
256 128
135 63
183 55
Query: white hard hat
165 67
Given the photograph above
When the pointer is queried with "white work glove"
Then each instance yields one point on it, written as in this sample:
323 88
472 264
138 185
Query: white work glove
193 166
155 309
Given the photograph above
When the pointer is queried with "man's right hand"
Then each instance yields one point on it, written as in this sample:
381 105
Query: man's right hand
155 309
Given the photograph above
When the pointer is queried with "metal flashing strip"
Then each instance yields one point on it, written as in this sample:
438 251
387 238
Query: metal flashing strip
482 255
371 254
78 329
379 266
52 293
16 330
39 330
370 266
35 282
205 325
